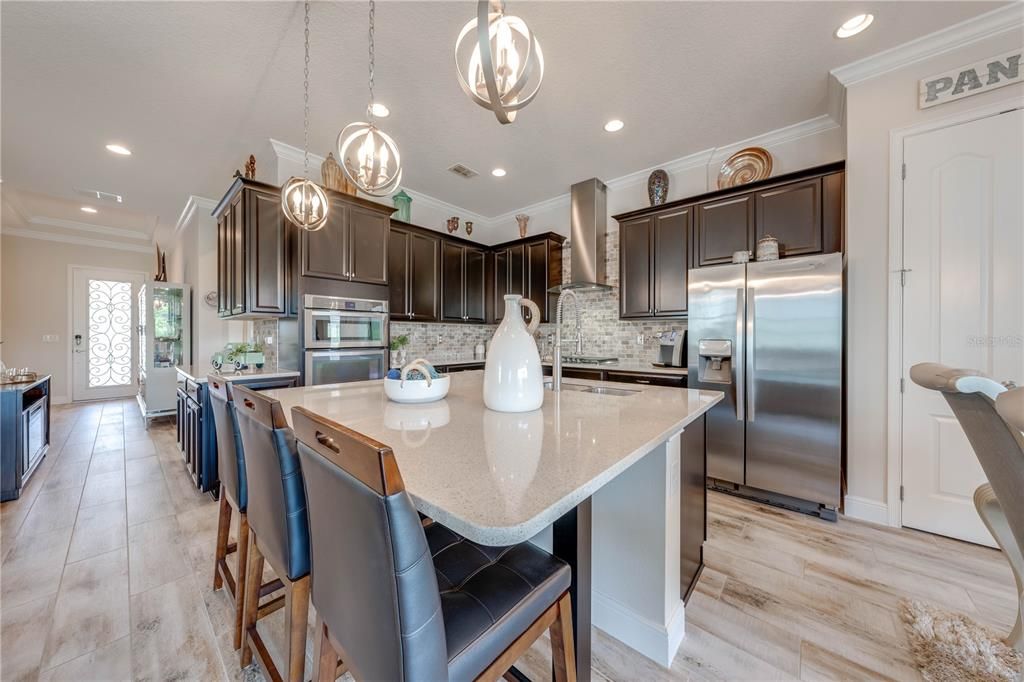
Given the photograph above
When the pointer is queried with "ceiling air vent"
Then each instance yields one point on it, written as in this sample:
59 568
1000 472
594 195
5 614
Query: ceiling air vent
99 195
464 171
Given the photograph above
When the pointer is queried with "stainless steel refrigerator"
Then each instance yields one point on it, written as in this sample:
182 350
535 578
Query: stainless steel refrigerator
770 336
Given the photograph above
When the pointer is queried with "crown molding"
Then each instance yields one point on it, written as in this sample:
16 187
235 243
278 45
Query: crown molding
779 136
287 152
684 163
74 239
433 202
119 232
533 209
193 204
977 28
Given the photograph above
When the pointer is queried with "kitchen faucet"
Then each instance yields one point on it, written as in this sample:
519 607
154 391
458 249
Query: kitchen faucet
556 356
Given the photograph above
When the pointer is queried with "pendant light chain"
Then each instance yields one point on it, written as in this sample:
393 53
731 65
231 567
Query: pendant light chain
372 12
305 97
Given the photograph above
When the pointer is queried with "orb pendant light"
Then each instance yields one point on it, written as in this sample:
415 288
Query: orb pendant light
302 200
499 61
368 155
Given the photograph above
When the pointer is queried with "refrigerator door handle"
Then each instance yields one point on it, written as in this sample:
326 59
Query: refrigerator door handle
738 360
750 370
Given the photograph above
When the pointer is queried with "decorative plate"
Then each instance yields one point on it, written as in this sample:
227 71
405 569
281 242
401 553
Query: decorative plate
746 165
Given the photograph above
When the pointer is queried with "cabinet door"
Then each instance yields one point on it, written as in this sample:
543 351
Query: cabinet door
791 214
723 227
635 268
537 273
833 209
223 264
325 252
671 261
423 279
266 250
452 282
237 247
500 283
476 284
399 274
368 246
517 269
693 507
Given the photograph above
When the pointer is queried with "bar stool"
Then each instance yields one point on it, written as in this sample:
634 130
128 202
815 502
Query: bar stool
278 531
396 600
231 469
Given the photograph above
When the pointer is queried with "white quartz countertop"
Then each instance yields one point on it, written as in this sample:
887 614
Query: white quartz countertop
500 478
199 374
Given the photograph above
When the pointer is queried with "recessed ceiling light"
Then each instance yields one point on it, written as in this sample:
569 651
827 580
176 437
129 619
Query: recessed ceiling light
614 125
498 172
379 110
119 149
88 209
854 25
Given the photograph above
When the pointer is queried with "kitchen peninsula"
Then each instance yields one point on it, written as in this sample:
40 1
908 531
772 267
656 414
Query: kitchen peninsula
609 477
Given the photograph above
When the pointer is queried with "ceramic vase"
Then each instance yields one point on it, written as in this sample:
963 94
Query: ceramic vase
657 187
403 202
513 378
522 219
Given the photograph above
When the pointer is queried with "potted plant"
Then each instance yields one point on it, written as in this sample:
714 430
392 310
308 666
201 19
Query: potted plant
398 345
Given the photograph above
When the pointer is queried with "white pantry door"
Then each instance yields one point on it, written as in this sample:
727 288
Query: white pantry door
104 333
963 303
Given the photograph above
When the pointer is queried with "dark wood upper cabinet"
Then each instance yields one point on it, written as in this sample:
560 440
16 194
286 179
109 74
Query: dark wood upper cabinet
252 244
501 283
833 212
475 304
792 214
635 299
267 246
722 227
671 249
351 247
367 246
413 276
528 268
453 282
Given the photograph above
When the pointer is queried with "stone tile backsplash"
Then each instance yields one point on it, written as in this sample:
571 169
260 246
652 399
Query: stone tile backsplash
604 334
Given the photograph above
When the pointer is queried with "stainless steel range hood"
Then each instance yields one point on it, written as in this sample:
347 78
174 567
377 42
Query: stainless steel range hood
589 223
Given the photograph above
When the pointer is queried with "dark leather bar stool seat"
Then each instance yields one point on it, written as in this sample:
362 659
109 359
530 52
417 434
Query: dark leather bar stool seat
279 533
233 500
397 600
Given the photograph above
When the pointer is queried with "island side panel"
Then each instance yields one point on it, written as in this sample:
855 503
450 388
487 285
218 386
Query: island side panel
636 586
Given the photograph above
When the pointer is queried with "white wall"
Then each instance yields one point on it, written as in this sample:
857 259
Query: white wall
874 108
35 294
192 259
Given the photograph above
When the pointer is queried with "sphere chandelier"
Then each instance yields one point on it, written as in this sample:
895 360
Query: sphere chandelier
505 67
368 155
302 200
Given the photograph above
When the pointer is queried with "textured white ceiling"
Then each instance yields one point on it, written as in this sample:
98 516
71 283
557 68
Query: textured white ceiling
194 87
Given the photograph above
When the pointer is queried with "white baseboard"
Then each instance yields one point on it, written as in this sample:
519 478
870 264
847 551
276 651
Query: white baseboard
59 400
655 641
866 510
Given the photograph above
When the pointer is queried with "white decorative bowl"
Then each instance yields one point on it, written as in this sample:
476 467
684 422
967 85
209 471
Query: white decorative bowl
416 390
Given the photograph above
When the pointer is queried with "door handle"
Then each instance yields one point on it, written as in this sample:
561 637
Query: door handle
738 359
751 353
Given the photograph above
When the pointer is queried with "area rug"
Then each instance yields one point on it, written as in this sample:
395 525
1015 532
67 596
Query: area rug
952 647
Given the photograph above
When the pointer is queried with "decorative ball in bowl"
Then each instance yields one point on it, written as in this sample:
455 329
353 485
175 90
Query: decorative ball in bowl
417 382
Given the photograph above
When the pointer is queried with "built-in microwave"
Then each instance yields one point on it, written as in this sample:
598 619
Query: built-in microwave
333 322
343 366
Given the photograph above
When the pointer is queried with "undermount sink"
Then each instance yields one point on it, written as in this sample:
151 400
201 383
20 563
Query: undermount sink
607 390
566 386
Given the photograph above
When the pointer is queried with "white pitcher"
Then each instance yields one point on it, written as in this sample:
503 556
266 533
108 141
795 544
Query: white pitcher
513 378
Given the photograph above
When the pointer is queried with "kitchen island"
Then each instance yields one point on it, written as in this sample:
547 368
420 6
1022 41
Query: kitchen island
595 477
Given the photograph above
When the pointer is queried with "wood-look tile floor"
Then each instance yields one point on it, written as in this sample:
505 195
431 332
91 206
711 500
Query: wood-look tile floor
108 556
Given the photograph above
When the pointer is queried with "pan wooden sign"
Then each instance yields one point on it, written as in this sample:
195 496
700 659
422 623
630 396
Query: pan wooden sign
988 74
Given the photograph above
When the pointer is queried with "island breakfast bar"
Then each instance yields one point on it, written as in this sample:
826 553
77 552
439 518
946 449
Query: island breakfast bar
587 474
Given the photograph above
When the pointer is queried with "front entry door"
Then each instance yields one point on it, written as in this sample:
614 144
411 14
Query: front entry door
104 329
963 244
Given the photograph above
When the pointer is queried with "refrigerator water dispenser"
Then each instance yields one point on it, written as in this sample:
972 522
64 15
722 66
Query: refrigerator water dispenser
715 361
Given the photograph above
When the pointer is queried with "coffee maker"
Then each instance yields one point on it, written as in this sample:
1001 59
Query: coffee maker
671 349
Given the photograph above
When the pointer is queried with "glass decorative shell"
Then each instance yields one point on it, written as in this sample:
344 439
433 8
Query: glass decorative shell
304 203
499 61
370 158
